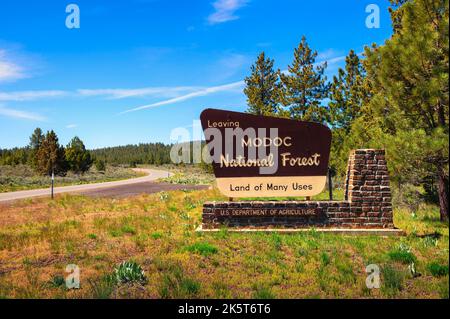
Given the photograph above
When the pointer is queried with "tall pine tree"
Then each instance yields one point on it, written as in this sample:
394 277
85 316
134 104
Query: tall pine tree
304 86
410 77
50 156
263 87
35 142
348 93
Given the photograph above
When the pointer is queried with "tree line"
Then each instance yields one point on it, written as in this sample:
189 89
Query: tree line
395 96
45 154
143 153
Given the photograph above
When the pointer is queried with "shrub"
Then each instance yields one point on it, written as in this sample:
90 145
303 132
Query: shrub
127 229
325 258
437 270
176 285
130 271
392 280
402 254
100 165
262 292
57 281
156 235
103 287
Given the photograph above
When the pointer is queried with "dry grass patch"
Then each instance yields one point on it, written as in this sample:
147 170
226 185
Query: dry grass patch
39 237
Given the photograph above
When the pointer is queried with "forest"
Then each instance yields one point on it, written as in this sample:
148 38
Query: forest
132 155
393 96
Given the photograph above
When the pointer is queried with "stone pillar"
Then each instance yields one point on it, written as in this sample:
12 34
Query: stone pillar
367 186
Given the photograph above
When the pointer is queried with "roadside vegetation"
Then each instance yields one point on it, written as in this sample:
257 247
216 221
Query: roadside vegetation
147 247
188 174
23 177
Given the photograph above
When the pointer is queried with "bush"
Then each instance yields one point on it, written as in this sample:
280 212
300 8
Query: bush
156 235
409 196
402 254
437 270
130 271
57 281
392 280
176 285
262 292
100 165
103 287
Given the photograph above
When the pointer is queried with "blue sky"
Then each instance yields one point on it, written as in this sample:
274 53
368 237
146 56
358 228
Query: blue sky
137 69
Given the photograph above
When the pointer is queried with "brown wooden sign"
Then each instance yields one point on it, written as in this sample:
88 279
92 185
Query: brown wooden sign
261 156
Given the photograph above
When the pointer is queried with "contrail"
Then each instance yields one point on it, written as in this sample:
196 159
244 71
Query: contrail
203 92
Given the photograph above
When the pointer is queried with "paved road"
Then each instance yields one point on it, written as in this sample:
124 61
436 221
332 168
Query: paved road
134 186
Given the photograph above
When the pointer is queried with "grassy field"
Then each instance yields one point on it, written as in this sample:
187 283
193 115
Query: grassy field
22 177
39 237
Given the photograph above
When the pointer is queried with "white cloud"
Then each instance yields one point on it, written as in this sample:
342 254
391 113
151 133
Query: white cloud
333 57
336 59
18 114
165 92
71 126
9 70
203 92
225 10
30 95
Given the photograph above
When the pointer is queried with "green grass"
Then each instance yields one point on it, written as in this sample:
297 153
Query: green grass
38 238
404 257
263 292
156 235
23 177
175 284
437 269
393 280
202 248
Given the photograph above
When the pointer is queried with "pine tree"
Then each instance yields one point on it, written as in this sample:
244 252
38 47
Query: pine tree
348 93
50 156
263 87
304 86
410 77
35 142
100 165
78 158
